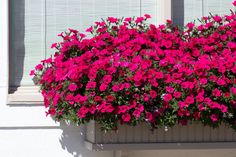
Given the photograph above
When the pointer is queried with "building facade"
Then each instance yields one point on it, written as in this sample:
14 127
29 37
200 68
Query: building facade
27 30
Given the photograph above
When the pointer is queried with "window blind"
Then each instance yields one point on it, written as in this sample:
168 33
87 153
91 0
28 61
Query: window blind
184 11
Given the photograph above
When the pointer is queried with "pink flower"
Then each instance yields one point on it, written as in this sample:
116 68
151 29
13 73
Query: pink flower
221 82
233 90
159 75
103 87
153 94
214 117
136 113
149 116
69 97
185 85
56 99
54 45
72 87
32 73
199 98
167 97
108 108
128 19
82 112
39 67
170 89
126 117
110 98
190 25
92 109
126 85
189 100
123 109
138 77
203 81
91 85
97 98
216 92
223 108
182 104
140 107
145 97
147 16
115 88
90 29
177 94
201 107
107 79
139 19
234 3
227 94
112 19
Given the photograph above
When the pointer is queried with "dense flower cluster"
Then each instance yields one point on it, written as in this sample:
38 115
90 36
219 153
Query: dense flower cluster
132 72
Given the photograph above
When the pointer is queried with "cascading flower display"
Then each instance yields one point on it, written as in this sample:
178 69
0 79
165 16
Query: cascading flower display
130 72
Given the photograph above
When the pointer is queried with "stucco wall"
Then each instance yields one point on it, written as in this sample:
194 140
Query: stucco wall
26 132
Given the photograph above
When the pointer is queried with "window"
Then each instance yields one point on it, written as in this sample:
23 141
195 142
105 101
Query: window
34 26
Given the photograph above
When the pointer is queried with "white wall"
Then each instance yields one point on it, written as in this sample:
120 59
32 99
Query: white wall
26 132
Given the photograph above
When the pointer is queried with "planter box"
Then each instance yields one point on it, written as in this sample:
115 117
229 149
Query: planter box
193 136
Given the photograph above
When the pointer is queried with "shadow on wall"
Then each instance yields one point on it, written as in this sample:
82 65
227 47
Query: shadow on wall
178 12
16 41
72 140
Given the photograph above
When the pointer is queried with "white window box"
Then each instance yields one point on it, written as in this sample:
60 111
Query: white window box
193 136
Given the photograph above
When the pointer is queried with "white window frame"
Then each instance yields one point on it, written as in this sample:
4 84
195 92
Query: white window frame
29 94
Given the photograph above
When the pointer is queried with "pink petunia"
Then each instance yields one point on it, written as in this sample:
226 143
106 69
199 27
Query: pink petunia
189 100
72 87
177 94
167 97
214 117
233 90
107 79
147 16
126 117
54 45
153 94
234 3
136 113
91 85
149 116
39 67
32 72
103 87
216 92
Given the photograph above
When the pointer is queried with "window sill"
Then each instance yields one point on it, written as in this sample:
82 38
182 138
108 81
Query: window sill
25 95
